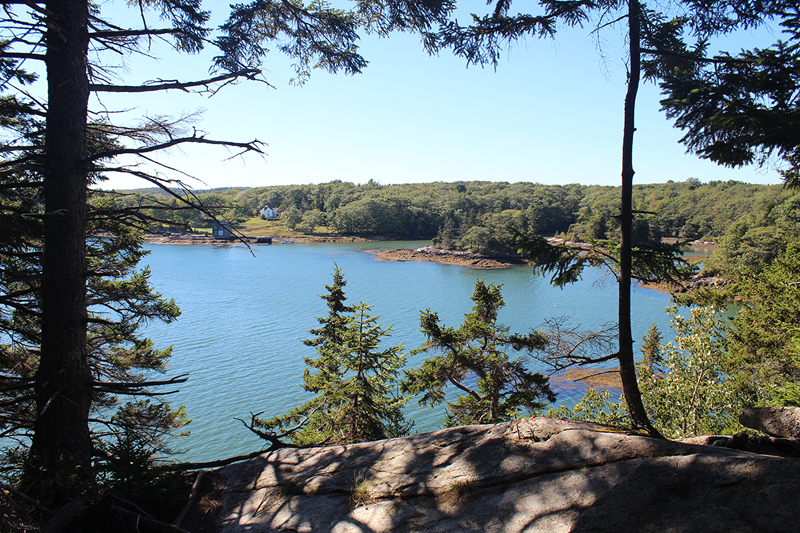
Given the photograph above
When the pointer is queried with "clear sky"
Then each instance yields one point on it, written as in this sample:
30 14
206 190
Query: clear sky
550 113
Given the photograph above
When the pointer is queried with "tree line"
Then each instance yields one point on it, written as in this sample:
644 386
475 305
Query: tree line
478 215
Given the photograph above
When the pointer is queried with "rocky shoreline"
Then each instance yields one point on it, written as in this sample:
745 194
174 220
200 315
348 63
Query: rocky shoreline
189 239
431 254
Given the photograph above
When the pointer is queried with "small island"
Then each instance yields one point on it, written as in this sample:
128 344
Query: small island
432 254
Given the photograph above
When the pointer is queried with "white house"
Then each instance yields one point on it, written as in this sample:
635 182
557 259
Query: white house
268 212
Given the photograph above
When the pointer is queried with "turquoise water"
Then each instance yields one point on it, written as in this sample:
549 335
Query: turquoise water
244 316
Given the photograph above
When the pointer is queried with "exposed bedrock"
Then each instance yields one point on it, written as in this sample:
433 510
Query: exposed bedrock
536 474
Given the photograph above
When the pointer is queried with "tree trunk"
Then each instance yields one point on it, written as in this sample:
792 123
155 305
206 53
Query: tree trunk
61 447
627 369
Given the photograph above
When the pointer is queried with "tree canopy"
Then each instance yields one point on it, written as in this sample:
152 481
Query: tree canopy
739 108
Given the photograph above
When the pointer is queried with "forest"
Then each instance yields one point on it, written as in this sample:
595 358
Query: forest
744 219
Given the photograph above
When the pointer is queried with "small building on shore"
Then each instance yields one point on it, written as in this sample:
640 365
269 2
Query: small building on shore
221 230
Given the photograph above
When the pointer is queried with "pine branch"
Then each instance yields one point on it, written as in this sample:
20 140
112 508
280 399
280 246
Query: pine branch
698 59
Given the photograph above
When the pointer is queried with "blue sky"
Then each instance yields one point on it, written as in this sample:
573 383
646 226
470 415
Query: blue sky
550 113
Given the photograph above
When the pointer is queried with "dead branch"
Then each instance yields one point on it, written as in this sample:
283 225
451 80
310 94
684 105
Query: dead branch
569 345
192 498
249 73
252 146
177 467
11 55
192 201
134 388
148 521
276 441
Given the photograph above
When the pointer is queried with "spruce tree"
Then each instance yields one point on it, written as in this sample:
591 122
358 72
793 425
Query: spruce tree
77 44
474 358
370 409
351 377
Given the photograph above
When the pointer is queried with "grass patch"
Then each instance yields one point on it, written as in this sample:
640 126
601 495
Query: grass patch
459 492
360 493
288 488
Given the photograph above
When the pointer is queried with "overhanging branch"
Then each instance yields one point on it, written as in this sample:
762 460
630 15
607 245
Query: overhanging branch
252 146
249 73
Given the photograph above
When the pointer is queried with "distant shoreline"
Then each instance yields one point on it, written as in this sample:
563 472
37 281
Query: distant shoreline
429 254
200 239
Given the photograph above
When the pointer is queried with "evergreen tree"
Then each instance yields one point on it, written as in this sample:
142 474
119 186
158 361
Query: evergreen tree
765 347
370 408
740 109
118 301
474 358
651 348
329 339
351 377
652 31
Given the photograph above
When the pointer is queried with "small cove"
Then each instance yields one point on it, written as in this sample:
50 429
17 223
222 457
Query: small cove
244 316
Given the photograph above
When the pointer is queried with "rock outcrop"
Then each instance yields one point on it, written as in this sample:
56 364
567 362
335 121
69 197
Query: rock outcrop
776 421
431 254
532 475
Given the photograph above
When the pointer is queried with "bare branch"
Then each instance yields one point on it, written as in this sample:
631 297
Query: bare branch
134 388
249 73
276 439
14 55
31 4
208 464
252 146
569 346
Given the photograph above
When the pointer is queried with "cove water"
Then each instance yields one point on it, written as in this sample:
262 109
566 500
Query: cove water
244 316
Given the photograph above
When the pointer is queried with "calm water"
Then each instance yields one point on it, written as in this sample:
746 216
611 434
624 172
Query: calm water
244 318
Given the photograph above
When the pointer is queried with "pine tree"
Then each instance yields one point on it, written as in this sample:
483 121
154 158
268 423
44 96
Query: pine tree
118 301
475 360
651 348
351 377
664 35
329 338
740 109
